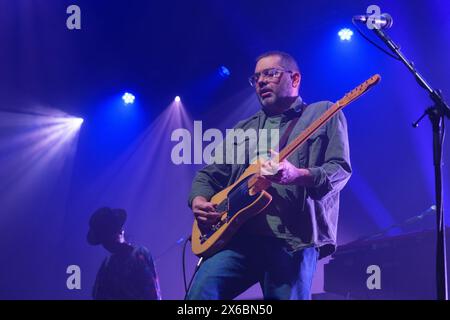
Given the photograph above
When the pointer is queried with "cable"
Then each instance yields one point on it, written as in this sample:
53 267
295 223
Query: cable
183 263
187 287
373 42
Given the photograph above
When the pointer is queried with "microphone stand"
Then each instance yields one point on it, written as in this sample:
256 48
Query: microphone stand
436 113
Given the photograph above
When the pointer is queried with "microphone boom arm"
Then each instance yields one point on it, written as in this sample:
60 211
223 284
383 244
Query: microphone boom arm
435 95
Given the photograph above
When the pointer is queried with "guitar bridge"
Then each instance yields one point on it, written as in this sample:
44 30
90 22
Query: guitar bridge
213 229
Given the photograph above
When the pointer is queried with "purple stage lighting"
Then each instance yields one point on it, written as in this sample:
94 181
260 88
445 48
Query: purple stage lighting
177 99
68 124
77 122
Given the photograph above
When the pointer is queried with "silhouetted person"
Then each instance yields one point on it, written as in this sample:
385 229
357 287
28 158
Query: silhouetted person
128 273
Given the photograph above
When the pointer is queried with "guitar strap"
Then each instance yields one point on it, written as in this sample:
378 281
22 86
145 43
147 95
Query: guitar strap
296 116
284 138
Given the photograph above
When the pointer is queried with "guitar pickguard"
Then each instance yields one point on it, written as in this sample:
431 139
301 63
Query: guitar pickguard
239 197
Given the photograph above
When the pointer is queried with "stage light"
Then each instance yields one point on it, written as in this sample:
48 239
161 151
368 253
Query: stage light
177 99
78 121
345 34
224 72
128 98
68 124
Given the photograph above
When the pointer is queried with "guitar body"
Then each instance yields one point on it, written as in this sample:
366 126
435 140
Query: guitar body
237 204
243 199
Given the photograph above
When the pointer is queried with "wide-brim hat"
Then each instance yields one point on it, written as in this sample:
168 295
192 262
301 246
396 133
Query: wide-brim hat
104 223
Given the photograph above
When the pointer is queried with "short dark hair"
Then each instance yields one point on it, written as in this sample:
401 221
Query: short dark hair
286 59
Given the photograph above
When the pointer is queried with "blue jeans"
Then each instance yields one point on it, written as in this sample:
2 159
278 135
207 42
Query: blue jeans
250 259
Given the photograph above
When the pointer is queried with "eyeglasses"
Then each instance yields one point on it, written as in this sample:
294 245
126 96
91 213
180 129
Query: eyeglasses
269 74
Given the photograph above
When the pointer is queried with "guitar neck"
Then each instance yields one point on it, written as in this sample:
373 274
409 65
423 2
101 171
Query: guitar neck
327 115
308 132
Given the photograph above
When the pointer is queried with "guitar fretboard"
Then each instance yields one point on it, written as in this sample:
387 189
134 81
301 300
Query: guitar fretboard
327 115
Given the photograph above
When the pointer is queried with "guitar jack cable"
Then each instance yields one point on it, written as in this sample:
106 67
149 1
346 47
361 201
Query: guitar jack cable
183 262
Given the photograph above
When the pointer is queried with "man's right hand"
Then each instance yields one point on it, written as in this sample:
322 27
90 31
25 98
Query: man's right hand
204 211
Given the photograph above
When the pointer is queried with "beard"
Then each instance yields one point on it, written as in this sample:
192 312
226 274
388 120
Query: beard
274 104
269 100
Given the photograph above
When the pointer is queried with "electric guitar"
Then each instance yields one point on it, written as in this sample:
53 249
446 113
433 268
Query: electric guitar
242 200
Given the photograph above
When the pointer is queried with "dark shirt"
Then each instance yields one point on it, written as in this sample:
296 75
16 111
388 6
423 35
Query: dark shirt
127 275
302 217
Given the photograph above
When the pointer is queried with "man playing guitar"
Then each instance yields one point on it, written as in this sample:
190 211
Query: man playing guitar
280 247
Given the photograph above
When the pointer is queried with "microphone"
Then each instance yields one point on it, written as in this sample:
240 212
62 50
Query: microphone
383 21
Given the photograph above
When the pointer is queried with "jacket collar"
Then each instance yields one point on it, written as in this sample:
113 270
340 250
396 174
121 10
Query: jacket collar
296 108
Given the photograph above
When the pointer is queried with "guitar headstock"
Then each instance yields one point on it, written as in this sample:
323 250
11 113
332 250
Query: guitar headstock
359 90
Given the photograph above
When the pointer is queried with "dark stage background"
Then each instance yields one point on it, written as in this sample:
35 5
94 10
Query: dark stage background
157 50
